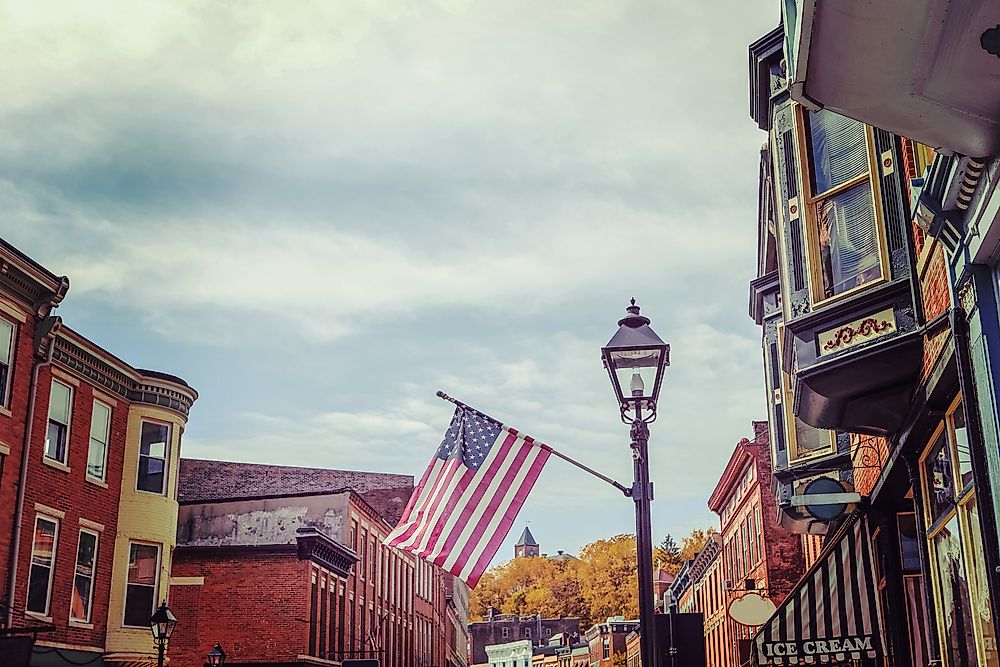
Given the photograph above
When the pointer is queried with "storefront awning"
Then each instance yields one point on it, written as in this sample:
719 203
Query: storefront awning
833 614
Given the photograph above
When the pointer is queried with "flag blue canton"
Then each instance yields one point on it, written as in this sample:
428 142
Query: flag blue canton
469 438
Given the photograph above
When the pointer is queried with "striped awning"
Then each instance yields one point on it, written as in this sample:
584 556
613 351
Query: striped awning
833 613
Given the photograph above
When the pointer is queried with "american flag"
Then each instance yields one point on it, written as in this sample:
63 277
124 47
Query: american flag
467 500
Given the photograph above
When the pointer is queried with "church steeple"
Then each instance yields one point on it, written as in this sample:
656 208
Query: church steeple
526 546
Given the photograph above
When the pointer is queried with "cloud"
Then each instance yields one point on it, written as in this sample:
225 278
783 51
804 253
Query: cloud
321 213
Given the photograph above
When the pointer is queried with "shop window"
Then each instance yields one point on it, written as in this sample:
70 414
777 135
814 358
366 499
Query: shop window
956 550
154 448
6 360
60 411
844 243
140 587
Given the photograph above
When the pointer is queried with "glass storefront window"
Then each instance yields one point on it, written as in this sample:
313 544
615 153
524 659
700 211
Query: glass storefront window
954 536
981 594
939 479
958 636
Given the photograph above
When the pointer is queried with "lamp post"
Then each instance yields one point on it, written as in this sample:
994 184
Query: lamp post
216 657
636 357
162 624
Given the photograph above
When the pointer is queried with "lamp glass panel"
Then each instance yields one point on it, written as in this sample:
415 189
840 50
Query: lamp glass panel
625 376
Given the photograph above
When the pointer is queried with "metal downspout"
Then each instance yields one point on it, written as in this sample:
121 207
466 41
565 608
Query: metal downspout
48 329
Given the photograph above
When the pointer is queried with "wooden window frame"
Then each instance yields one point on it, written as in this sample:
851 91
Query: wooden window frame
156 581
93 575
814 272
934 525
167 454
106 443
787 399
8 368
68 425
52 565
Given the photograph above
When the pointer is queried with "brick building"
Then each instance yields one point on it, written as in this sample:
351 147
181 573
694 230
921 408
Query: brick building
607 640
89 447
285 565
701 588
456 617
757 553
499 628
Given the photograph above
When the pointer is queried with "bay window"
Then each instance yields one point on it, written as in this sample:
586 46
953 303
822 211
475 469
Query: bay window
43 554
804 441
60 412
154 448
140 588
844 239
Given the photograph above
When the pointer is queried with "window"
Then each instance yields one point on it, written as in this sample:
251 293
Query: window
527 633
140 590
846 250
83 579
6 357
607 648
100 427
504 633
43 553
955 548
60 410
804 441
153 449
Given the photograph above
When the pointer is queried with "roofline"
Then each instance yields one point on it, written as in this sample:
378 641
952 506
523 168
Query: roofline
289 467
728 478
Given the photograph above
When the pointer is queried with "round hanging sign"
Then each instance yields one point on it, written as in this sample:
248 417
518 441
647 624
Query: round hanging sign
751 609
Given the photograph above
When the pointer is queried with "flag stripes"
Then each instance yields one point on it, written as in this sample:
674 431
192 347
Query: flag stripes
469 496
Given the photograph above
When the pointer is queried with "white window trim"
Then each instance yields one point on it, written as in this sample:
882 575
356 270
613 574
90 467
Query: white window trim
11 353
156 580
93 576
166 457
107 444
47 614
69 424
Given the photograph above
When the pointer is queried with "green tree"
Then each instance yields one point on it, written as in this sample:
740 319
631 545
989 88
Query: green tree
668 555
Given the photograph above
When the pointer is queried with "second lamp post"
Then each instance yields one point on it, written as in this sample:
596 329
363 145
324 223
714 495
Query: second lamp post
635 359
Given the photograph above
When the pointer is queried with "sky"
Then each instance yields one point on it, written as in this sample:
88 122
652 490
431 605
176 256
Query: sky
320 213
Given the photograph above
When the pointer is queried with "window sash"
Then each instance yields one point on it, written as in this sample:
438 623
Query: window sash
793 424
100 428
140 586
83 576
7 338
60 414
154 452
815 200
42 566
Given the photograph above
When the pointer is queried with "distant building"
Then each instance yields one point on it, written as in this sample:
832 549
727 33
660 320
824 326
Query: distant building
287 566
510 654
758 553
633 650
606 640
701 588
526 547
500 628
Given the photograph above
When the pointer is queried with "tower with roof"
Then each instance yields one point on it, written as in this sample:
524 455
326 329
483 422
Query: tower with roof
526 546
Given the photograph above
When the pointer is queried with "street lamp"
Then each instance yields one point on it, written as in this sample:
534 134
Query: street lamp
636 358
216 656
162 624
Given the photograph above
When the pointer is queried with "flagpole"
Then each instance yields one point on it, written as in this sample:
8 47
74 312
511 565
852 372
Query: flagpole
604 478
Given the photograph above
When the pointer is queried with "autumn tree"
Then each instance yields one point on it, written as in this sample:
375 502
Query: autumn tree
692 544
609 578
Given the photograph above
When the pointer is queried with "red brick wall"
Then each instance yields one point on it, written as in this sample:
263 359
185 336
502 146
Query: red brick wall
12 435
256 605
70 493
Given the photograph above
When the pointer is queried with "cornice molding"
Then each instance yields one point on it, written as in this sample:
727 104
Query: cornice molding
30 283
320 549
129 383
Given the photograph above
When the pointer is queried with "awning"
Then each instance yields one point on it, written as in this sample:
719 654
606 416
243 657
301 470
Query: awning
833 613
